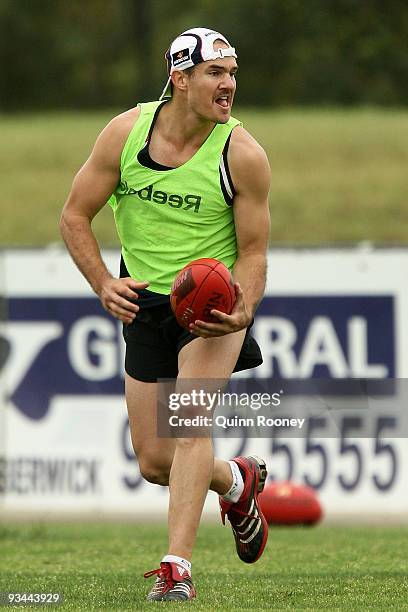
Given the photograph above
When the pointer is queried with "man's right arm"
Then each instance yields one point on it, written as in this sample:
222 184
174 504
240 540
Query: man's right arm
92 186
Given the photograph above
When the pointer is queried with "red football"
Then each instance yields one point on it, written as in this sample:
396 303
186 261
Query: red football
199 287
286 503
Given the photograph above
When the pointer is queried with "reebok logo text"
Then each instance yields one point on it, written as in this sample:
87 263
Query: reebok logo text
191 201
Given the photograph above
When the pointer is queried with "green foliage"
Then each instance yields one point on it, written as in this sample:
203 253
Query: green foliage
99 53
100 567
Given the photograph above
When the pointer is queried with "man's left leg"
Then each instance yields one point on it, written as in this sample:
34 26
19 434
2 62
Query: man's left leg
201 359
192 468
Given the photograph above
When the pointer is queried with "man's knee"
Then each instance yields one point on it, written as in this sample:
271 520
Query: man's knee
193 443
153 468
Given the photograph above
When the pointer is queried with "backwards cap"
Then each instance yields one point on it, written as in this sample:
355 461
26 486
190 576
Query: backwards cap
193 47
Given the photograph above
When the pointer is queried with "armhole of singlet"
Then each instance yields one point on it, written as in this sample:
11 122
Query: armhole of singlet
227 186
143 157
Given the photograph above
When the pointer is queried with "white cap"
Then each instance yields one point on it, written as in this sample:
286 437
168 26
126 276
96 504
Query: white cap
193 47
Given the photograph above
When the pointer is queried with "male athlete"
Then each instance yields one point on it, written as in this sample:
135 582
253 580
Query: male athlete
185 180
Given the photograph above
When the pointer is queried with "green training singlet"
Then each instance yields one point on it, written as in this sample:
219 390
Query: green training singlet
167 218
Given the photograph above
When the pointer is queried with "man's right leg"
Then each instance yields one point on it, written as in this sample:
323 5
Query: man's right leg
155 455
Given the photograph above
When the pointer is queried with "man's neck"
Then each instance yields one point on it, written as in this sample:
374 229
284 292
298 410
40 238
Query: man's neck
182 127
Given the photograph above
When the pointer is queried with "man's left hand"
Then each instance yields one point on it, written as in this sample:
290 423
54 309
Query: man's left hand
238 319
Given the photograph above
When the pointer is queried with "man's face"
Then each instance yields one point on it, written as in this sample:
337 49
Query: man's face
211 87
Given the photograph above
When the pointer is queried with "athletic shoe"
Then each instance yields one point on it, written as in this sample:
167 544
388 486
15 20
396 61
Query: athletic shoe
173 583
248 524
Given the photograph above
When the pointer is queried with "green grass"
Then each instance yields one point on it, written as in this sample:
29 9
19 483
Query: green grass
100 567
338 175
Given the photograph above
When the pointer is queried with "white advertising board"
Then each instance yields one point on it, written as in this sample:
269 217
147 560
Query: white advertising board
64 439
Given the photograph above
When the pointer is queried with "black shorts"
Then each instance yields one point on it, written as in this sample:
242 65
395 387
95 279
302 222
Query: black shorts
154 340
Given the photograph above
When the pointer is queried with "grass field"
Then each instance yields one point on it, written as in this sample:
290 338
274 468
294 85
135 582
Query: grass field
100 567
338 175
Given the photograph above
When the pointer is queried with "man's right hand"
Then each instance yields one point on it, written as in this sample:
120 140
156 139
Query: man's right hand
117 296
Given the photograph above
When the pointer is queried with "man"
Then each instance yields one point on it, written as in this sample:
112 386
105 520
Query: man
185 181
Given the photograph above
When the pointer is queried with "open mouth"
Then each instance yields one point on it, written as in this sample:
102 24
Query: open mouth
223 101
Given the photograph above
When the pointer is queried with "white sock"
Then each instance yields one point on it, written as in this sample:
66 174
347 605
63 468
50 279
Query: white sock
179 560
237 486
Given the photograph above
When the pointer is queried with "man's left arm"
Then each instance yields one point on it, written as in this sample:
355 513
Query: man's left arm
250 171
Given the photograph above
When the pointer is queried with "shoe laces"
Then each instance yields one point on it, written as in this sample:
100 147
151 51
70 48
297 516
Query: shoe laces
164 574
232 510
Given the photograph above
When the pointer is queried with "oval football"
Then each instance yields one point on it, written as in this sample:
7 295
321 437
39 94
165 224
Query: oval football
287 503
199 287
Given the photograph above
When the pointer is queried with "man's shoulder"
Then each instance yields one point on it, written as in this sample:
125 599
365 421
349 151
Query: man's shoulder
113 137
121 125
245 152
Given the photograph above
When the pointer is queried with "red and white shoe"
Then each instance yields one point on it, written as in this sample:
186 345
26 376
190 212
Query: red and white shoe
173 583
249 525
